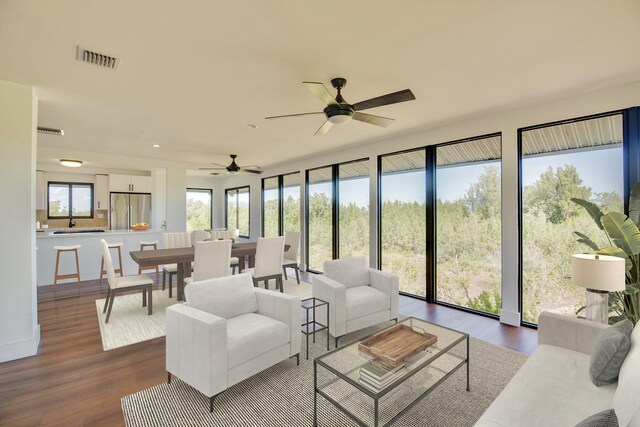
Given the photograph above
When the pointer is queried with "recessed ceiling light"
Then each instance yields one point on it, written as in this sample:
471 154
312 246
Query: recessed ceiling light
71 163
252 126
155 146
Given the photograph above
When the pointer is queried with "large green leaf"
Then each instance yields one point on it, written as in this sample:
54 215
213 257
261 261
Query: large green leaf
614 251
634 204
592 209
623 232
584 239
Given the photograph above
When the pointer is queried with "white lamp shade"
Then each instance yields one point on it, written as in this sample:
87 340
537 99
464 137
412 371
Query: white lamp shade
604 273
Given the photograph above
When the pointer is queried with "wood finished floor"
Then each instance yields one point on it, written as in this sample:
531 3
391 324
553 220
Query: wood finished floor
73 382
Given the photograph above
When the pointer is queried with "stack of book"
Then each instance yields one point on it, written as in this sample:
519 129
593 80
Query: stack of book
377 375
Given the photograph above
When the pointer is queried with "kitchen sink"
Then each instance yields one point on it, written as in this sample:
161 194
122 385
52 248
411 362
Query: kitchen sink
78 231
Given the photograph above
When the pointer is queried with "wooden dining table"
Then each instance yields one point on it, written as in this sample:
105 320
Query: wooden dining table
183 257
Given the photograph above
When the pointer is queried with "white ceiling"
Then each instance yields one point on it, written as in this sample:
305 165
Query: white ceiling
195 73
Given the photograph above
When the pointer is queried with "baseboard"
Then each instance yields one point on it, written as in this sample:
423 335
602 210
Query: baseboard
20 349
509 317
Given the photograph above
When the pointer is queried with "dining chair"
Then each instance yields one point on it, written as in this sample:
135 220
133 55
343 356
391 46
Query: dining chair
210 260
200 236
171 241
268 265
224 234
124 284
291 238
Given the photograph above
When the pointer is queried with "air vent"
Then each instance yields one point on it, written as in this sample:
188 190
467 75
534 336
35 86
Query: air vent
99 59
50 131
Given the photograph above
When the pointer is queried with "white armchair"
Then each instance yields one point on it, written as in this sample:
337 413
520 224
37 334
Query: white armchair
358 296
227 331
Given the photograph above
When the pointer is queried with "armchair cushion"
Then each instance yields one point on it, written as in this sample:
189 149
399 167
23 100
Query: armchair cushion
225 297
349 271
364 300
250 335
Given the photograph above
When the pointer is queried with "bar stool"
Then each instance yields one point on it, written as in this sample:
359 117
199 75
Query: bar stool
117 270
154 246
76 275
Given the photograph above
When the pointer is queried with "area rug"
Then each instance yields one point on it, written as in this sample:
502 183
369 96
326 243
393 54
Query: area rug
130 324
283 396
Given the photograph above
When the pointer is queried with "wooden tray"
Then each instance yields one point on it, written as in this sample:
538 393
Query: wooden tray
395 345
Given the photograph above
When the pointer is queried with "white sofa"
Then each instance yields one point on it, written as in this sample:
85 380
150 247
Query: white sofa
358 296
227 331
553 387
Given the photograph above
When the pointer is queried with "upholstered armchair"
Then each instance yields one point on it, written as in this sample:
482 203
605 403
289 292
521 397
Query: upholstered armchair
358 296
227 331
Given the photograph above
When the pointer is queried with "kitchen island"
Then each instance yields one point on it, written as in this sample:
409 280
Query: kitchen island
90 253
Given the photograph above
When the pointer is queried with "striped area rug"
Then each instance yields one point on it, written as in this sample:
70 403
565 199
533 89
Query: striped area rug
282 396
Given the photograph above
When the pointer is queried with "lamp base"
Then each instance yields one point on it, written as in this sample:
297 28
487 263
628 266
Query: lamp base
598 306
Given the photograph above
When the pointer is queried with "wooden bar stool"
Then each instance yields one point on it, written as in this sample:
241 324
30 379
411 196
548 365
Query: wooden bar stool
153 246
57 276
117 270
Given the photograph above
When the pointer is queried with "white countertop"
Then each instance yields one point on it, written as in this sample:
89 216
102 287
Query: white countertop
48 233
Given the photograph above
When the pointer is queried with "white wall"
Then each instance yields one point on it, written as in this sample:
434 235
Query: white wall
506 122
19 329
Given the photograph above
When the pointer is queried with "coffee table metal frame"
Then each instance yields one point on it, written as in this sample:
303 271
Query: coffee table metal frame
377 396
314 303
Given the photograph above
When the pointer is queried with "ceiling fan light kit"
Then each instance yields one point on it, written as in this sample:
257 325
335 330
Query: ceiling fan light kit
339 112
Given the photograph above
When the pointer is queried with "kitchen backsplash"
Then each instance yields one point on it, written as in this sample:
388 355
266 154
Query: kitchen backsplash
96 221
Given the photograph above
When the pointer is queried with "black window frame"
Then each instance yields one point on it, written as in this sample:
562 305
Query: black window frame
71 185
202 190
226 208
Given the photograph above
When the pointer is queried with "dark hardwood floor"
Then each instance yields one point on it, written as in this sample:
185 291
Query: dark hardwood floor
73 382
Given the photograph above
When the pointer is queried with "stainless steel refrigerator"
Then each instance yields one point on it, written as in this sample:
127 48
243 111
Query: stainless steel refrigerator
127 209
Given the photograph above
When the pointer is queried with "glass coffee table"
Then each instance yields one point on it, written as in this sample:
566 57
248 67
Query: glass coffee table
342 376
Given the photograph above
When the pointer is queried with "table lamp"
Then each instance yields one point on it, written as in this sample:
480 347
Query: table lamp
599 274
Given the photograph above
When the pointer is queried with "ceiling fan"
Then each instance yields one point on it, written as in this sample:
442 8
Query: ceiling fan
339 112
233 168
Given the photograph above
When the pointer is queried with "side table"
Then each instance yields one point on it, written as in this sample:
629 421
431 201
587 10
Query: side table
310 326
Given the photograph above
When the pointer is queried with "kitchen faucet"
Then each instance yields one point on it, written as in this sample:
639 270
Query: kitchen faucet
72 223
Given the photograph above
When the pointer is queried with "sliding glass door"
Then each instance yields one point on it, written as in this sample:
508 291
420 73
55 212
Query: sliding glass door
291 202
320 214
353 209
270 207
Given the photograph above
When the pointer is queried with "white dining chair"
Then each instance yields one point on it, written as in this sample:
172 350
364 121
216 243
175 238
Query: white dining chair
171 241
291 238
124 284
211 260
223 233
268 265
200 236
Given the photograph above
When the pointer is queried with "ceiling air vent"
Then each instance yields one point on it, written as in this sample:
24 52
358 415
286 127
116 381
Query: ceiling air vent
99 59
50 131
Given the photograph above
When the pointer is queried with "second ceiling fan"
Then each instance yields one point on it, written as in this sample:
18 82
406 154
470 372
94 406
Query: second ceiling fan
338 111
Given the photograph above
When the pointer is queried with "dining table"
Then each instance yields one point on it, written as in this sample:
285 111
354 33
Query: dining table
183 257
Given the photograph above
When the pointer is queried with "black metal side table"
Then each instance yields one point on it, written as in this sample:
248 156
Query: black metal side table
310 326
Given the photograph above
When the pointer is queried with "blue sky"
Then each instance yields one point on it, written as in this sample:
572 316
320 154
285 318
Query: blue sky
600 169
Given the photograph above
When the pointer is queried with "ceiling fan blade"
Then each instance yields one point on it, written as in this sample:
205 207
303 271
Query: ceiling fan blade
218 164
374 120
390 98
324 128
292 115
213 169
251 167
321 91
243 170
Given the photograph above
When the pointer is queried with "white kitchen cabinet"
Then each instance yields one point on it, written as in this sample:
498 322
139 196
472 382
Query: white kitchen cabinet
101 192
130 183
41 191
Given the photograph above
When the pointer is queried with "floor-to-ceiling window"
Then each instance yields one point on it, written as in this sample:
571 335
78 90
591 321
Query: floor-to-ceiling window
291 202
353 209
468 224
580 159
270 207
237 210
320 216
199 208
403 238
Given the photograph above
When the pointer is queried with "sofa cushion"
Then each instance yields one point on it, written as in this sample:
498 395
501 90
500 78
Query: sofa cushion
225 297
608 353
601 419
551 389
348 272
627 399
250 335
365 300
